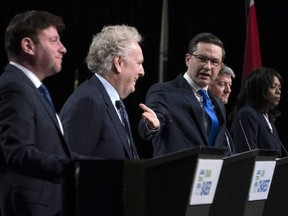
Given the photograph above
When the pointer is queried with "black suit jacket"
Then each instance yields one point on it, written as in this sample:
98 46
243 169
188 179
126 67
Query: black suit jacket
33 149
91 124
181 118
256 129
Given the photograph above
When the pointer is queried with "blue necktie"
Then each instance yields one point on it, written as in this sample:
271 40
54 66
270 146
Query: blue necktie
45 93
207 104
124 115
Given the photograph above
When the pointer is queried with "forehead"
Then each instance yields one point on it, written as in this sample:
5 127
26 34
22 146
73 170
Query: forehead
209 49
49 32
224 77
135 51
276 80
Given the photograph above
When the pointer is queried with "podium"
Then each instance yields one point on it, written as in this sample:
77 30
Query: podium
92 187
235 181
276 202
260 183
153 187
161 186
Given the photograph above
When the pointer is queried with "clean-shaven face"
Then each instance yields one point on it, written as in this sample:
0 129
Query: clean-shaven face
221 87
274 92
131 70
204 73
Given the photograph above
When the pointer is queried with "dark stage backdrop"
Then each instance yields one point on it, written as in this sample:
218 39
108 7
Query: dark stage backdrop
224 18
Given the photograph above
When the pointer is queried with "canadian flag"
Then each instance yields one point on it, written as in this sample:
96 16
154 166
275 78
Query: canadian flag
252 55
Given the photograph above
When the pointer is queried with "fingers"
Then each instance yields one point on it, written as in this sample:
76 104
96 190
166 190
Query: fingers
149 116
144 107
147 110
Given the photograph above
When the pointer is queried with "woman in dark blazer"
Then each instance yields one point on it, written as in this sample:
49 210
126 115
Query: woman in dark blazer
255 112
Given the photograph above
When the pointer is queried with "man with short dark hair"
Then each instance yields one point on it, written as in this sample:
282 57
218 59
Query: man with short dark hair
181 114
31 137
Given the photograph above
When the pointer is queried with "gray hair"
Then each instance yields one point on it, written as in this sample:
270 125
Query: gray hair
110 42
226 70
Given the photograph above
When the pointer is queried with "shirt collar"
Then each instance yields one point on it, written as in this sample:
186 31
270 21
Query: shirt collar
113 94
28 73
193 84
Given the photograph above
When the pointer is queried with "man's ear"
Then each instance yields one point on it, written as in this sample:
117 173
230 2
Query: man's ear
118 61
187 59
27 45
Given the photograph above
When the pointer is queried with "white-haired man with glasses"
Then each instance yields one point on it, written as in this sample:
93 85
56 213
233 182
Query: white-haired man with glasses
181 113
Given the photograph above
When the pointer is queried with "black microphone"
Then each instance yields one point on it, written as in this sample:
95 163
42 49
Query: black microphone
167 117
243 131
228 139
279 141
118 104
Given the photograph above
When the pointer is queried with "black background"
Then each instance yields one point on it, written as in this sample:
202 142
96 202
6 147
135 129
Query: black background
224 18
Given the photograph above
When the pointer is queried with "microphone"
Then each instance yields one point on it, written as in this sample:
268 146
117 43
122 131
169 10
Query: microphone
279 141
228 138
167 117
243 132
118 104
76 78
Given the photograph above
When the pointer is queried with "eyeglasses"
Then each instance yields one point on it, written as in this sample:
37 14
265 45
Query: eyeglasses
204 60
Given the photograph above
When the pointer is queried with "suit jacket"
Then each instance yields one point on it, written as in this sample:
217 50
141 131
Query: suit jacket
256 129
33 149
91 124
181 118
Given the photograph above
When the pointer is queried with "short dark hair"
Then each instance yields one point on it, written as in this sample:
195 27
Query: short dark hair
205 38
28 24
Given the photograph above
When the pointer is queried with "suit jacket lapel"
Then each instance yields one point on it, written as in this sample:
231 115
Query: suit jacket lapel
24 78
221 114
196 108
54 119
119 128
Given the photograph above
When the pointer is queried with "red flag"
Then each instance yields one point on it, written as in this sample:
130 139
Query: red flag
252 55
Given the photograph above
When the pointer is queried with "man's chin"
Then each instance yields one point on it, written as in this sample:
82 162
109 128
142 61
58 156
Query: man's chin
203 83
57 70
225 101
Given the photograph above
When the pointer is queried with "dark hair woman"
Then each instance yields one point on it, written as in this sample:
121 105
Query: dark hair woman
255 112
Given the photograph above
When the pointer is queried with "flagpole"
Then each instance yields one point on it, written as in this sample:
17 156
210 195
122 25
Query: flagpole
247 6
163 50
76 78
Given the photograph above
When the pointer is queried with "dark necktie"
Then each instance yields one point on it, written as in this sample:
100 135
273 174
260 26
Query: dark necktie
45 93
124 116
207 104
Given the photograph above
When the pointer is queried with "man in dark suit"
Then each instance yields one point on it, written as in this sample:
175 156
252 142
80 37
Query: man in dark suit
33 148
91 116
176 115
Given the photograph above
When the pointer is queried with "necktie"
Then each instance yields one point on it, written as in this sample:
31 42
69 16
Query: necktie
207 104
124 116
45 93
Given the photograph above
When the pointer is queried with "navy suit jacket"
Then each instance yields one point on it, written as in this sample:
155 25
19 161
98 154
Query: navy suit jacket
256 129
91 124
181 118
33 149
